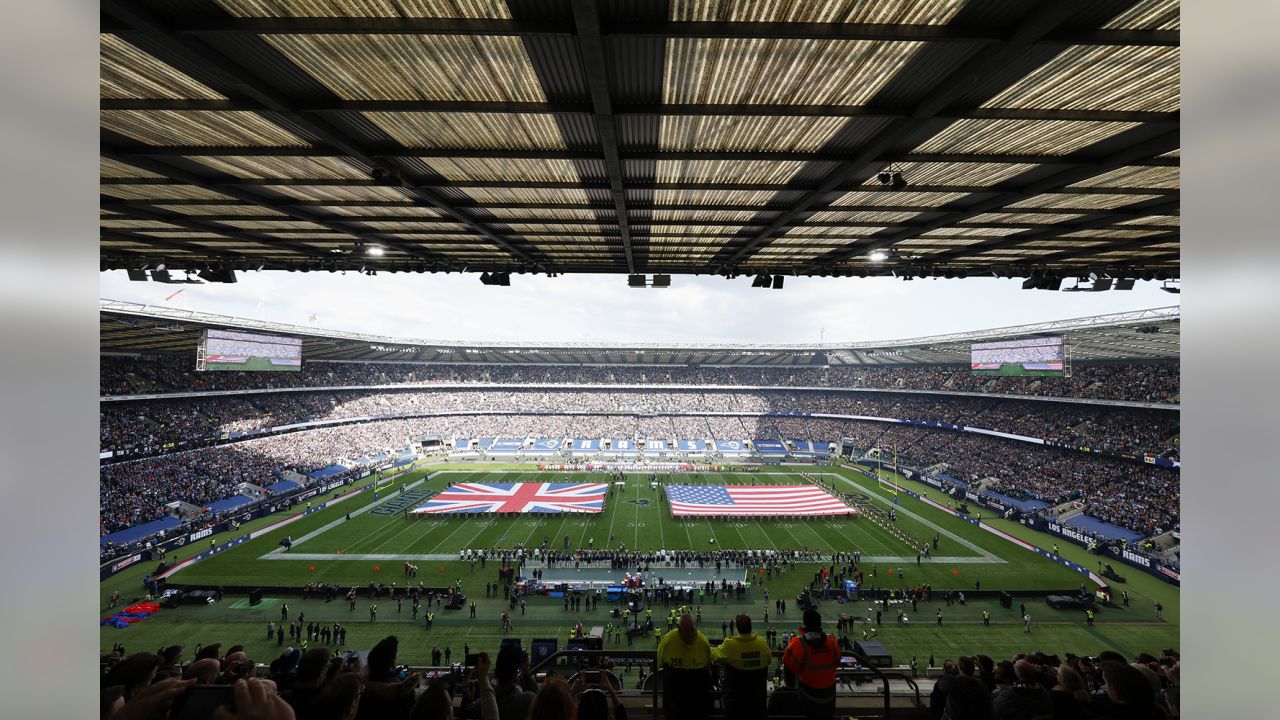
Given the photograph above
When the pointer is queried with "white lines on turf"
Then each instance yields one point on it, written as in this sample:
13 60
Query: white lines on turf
923 521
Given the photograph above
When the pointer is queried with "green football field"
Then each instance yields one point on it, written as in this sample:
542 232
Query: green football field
1016 370
377 538
252 364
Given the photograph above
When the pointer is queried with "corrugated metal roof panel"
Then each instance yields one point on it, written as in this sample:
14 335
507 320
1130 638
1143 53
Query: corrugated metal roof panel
963 231
1100 78
863 217
704 215
1150 15
272 225
204 128
725 132
283 167
926 200
726 171
1031 137
162 192
410 227
796 233
127 72
1028 218
1140 177
337 192
1081 200
471 130
109 168
518 169
933 173
198 210
351 211
543 214
416 67
914 12
526 195
123 224
711 198
781 72
490 9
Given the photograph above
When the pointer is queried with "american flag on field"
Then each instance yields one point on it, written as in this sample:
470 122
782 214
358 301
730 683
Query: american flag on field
517 498
753 500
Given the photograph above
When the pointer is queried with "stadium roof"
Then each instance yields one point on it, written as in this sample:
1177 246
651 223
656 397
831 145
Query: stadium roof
126 327
642 136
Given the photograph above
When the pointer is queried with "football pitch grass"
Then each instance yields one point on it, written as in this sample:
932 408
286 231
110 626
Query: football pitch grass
374 543
1016 370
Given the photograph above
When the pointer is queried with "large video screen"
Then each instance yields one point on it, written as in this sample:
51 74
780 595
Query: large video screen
232 350
1037 357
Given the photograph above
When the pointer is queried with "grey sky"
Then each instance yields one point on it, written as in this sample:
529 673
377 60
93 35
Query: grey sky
603 308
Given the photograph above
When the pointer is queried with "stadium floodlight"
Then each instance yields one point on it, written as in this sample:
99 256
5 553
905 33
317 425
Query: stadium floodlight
1170 286
635 281
374 250
898 182
662 281
137 275
885 177
878 256
760 281
1123 284
777 282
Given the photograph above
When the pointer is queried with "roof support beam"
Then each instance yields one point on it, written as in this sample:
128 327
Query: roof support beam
1045 18
770 30
219 186
242 83
595 65
540 154
562 108
257 200
1153 146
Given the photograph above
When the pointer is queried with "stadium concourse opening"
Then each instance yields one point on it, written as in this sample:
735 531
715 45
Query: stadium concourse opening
686 529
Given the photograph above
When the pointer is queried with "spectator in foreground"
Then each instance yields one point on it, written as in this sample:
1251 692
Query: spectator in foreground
1069 695
746 657
814 657
1025 698
553 702
684 655
785 700
1128 695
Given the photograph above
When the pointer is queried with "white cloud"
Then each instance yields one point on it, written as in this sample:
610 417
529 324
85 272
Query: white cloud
603 308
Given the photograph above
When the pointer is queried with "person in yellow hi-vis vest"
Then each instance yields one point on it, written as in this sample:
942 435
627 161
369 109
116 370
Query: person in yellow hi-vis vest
745 657
684 656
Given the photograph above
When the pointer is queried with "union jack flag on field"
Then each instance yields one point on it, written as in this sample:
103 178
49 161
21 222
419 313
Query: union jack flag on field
517 498
753 501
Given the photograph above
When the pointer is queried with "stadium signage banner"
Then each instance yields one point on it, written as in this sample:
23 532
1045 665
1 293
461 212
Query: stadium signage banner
200 534
1135 558
1070 533
122 564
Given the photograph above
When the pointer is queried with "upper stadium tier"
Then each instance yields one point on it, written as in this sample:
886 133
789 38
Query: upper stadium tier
921 137
1124 357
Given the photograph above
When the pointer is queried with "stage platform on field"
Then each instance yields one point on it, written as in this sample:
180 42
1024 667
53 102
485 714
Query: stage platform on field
604 577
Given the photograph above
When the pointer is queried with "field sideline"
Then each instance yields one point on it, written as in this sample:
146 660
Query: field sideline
370 547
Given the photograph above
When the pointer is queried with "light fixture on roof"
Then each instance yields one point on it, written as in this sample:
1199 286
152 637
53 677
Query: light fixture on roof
374 250
878 255
891 175
1171 286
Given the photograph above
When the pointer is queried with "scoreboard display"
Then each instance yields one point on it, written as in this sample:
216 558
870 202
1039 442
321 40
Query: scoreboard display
235 350
1036 357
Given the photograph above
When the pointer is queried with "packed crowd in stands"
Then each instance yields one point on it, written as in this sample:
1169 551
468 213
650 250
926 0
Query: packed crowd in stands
1139 496
1152 382
1130 431
699 679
